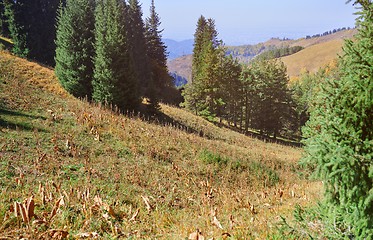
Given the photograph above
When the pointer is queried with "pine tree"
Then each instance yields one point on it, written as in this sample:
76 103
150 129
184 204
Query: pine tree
4 29
199 41
114 76
277 98
136 38
250 96
75 51
210 77
201 94
35 21
31 26
156 51
192 90
16 30
270 96
340 134
230 90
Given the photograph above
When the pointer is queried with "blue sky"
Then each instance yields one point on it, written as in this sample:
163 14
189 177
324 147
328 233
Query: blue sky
249 21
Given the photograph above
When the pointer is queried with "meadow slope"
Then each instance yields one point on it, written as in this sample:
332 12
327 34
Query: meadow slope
70 169
318 52
313 58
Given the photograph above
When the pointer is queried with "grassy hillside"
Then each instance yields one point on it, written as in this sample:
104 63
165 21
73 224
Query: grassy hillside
72 169
182 66
313 58
345 34
318 52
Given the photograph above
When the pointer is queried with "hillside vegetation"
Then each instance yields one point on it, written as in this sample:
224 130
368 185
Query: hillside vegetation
313 58
181 66
318 52
72 169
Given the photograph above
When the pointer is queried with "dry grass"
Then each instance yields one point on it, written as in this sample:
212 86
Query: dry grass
319 52
341 35
182 66
69 169
313 58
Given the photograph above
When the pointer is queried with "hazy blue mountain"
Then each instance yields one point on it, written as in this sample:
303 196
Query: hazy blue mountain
177 49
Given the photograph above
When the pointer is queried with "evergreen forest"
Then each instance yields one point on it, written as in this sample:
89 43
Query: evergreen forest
101 50
253 98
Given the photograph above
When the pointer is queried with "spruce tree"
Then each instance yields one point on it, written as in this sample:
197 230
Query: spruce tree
114 76
250 96
16 29
199 40
35 24
4 29
268 100
201 94
276 98
192 90
210 78
75 51
137 41
340 134
156 51
230 90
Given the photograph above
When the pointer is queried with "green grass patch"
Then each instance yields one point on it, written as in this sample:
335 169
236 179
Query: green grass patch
268 176
209 157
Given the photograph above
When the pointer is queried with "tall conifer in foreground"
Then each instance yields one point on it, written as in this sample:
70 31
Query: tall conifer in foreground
137 41
156 51
74 53
340 135
114 77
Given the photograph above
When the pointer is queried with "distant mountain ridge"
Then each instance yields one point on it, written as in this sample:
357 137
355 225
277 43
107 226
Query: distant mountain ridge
177 49
317 52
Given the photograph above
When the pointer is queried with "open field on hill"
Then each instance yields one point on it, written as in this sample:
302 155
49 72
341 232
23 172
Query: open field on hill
318 52
313 58
182 66
307 42
73 169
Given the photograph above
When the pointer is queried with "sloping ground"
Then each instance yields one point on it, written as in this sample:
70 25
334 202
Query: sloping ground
346 34
182 66
69 169
318 52
303 42
313 58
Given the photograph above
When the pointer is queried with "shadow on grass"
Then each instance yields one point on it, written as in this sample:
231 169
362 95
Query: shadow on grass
19 114
281 141
155 116
263 137
24 125
159 118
